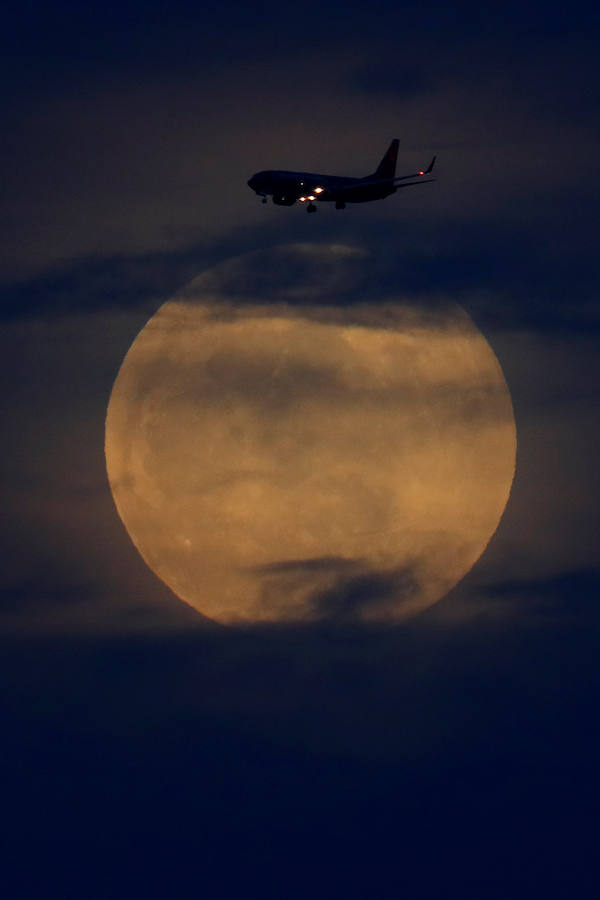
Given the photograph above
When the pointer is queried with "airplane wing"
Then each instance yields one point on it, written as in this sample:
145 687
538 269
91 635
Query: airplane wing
373 181
396 180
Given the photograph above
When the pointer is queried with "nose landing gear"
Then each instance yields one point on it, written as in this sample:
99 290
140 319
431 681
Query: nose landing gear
311 208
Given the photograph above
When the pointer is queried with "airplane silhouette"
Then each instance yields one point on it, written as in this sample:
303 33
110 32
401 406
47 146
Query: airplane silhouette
306 187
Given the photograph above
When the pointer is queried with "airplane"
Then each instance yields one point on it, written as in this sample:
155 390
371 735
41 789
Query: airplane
306 187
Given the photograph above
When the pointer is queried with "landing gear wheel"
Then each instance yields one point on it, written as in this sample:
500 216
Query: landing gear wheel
264 200
339 204
311 208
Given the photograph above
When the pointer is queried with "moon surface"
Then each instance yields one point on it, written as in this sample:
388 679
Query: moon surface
278 457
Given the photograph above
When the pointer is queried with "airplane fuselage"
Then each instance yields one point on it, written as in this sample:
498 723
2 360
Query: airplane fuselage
305 187
288 187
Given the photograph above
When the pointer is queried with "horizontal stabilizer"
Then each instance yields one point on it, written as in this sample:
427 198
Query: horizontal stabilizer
418 174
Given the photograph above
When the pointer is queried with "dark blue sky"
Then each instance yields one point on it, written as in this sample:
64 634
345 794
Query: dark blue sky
146 753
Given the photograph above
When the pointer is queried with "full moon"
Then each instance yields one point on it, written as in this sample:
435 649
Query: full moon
282 445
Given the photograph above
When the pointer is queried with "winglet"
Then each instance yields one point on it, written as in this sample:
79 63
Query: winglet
429 168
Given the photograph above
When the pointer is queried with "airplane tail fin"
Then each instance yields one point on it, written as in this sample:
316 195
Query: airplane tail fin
387 166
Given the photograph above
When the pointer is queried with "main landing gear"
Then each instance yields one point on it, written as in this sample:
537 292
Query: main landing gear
339 204
311 208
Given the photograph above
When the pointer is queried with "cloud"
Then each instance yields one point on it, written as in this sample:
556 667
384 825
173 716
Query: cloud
336 589
574 595
299 273
366 595
507 277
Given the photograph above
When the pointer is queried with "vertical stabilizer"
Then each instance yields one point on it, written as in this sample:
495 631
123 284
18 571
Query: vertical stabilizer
387 166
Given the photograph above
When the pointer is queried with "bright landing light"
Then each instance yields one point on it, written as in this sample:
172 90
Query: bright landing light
319 190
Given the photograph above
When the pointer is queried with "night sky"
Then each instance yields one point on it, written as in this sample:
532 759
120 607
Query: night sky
147 751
